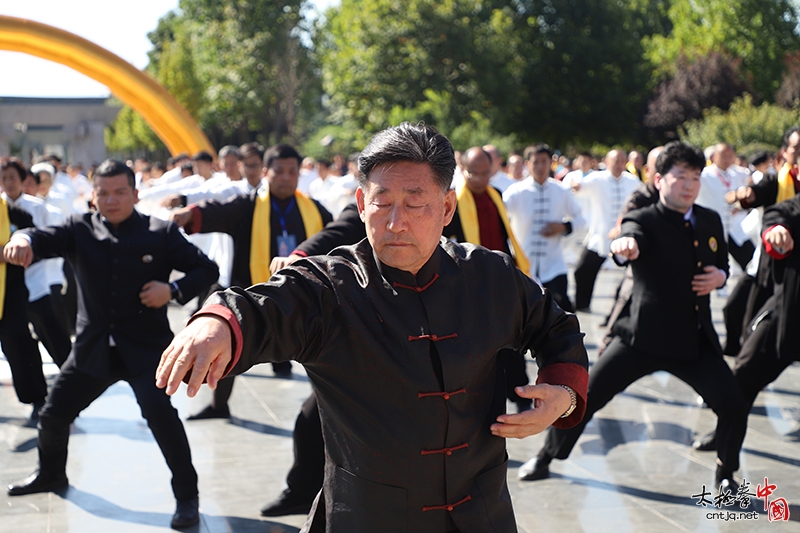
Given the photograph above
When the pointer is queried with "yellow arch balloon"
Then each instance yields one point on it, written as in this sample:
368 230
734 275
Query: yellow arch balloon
168 118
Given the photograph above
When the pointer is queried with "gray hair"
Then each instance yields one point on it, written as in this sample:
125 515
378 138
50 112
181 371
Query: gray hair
414 143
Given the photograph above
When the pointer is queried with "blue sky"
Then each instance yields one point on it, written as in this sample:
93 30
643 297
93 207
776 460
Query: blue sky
120 27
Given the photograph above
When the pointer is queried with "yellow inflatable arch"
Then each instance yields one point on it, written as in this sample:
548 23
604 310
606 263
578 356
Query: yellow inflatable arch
168 119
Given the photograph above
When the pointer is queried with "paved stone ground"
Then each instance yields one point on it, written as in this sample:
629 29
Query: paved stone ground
632 470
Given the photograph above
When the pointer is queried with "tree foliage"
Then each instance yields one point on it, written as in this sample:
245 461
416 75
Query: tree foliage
556 70
709 81
759 32
566 72
744 125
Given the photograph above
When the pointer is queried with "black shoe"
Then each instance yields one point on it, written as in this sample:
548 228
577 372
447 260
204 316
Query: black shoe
187 514
33 420
38 483
287 503
727 485
209 412
706 443
282 370
535 469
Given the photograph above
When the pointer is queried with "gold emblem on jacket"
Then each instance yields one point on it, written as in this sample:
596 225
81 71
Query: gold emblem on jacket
712 243
147 258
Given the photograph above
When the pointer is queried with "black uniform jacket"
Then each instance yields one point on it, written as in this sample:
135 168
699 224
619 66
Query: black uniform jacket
111 265
347 229
235 217
665 316
16 298
787 278
405 373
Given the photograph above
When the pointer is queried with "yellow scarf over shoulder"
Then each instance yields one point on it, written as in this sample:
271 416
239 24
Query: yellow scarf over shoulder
468 213
5 235
785 184
261 237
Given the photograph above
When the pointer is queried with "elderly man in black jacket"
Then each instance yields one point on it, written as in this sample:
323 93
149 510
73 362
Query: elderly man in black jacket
399 335
678 256
122 261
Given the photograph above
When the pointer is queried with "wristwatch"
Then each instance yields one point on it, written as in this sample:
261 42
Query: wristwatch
573 401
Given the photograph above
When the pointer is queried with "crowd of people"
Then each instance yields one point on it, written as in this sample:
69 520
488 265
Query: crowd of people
99 255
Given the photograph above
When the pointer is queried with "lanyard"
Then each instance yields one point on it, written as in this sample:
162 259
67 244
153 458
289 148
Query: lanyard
722 177
282 215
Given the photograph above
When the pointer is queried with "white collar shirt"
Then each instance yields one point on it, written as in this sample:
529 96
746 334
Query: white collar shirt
530 207
606 195
714 184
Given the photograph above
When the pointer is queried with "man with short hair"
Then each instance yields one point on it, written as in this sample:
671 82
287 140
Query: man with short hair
269 222
229 158
636 164
49 327
499 179
718 179
399 335
123 260
19 347
541 212
606 191
678 256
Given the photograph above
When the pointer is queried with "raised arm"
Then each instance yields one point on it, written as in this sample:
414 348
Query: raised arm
290 317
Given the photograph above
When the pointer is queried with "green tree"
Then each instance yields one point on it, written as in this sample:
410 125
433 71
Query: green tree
257 73
744 125
552 70
760 32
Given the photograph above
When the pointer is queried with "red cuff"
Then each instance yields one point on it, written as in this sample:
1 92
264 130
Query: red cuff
768 247
301 253
574 376
197 221
223 312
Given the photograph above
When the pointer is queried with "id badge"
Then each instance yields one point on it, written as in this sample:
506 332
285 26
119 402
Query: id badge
286 244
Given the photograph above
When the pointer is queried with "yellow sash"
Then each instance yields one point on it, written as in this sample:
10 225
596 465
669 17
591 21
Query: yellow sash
468 214
261 238
785 184
5 235
632 169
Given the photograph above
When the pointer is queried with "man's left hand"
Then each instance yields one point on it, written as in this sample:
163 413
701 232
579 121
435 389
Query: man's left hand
549 403
155 294
713 278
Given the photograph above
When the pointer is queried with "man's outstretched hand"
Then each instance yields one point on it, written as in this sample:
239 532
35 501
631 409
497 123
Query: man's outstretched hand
549 403
202 348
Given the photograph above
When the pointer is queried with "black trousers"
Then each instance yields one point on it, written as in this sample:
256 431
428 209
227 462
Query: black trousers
621 365
50 328
75 390
585 277
734 313
19 347
558 288
308 470
757 364
741 254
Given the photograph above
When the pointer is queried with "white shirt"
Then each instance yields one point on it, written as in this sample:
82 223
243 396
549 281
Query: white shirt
319 188
341 194
221 192
714 184
46 272
530 206
306 177
501 181
606 196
